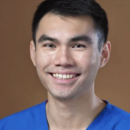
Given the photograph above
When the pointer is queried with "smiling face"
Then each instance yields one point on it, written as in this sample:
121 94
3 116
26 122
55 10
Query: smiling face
66 55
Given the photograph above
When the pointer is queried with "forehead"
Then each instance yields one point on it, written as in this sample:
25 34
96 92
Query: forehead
60 26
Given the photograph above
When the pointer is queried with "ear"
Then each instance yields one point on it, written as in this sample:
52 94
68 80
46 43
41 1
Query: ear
32 52
105 54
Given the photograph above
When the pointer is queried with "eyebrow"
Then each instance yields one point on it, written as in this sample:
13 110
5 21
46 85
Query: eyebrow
46 38
83 38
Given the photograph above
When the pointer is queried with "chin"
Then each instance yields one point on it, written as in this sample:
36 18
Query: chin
62 96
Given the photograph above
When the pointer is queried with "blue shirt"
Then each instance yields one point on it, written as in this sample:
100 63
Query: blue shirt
34 118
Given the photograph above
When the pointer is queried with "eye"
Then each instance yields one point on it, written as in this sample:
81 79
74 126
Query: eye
79 46
49 45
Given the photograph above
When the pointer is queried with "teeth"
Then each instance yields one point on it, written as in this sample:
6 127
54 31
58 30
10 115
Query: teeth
71 76
64 76
60 76
68 76
56 75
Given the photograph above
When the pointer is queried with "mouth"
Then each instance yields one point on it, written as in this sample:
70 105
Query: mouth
64 76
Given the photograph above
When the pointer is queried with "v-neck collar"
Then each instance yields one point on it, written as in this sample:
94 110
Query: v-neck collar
97 124
100 121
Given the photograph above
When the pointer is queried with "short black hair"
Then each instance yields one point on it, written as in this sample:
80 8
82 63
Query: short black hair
73 8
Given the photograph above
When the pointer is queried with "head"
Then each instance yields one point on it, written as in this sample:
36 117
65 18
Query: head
74 9
69 45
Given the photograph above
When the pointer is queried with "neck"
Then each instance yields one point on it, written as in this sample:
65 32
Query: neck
73 114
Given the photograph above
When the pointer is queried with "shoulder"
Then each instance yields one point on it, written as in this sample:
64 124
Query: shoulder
118 112
22 117
26 112
118 118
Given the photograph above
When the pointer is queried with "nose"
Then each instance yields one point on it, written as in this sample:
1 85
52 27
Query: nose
63 57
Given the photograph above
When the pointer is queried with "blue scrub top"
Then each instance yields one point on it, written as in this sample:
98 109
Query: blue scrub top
34 118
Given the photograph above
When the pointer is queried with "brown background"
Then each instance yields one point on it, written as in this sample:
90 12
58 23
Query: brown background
20 87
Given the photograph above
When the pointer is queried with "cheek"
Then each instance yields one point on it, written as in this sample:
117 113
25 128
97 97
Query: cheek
43 59
95 58
84 59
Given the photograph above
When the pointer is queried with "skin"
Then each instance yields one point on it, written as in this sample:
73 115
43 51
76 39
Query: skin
69 45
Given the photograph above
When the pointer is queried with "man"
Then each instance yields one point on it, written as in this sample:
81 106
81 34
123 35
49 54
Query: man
69 46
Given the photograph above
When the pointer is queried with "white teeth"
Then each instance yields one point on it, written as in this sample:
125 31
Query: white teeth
71 76
60 76
56 75
68 76
64 76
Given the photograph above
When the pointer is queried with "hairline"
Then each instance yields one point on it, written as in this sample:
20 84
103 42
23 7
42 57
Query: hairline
97 31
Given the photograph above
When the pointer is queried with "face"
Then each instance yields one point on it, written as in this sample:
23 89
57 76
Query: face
66 56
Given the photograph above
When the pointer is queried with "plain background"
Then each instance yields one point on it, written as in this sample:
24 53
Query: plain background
20 87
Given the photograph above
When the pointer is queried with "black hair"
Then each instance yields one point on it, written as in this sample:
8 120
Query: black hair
74 8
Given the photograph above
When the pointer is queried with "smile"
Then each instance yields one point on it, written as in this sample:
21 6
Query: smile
64 76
